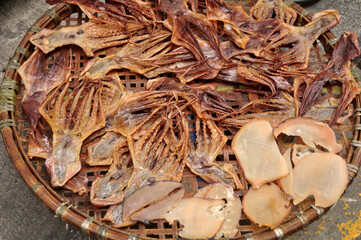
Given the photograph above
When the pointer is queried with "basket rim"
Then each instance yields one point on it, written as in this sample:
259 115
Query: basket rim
70 214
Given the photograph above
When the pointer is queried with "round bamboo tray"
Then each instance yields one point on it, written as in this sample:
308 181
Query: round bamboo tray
79 212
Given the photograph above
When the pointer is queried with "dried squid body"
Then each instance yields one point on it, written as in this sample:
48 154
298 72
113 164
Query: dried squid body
72 116
109 189
39 83
89 36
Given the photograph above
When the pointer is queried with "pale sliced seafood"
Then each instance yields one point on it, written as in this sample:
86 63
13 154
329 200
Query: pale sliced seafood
201 218
266 206
300 151
287 182
323 175
233 207
312 132
258 154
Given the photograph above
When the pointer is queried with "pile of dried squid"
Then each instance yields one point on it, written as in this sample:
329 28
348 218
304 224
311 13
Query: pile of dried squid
146 137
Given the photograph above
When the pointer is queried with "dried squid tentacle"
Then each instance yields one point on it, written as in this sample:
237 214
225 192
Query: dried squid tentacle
301 39
73 116
346 49
265 9
202 152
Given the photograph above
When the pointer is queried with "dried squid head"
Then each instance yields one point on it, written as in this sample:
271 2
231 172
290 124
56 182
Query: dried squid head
265 9
203 150
73 111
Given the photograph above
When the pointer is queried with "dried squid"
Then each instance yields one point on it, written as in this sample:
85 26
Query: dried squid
109 189
301 39
39 83
89 36
203 150
265 9
72 116
338 67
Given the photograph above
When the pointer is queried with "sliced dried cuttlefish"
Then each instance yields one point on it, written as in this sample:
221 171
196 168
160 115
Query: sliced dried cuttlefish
323 175
265 9
286 183
266 206
233 207
258 154
38 83
147 203
109 189
193 213
203 150
102 152
312 132
72 116
300 151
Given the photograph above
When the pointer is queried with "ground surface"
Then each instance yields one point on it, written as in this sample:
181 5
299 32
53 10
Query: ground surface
22 216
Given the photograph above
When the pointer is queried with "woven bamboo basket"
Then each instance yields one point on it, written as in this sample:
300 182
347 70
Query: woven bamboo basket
79 212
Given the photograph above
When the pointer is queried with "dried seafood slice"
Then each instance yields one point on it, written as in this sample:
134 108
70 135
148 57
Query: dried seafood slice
73 112
39 83
338 67
286 183
312 132
40 144
266 206
265 9
89 36
109 189
138 47
102 152
192 213
301 40
323 175
203 150
152 201
233 207
258 154
300 151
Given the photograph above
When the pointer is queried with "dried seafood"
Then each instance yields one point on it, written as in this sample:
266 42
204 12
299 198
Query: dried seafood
73 116
258 154
202 152
89 36
265 9
39 83
311 131
266 206
109 189
187 50
338 67
326 183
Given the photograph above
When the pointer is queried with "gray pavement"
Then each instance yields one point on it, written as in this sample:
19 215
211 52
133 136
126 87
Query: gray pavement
22 216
